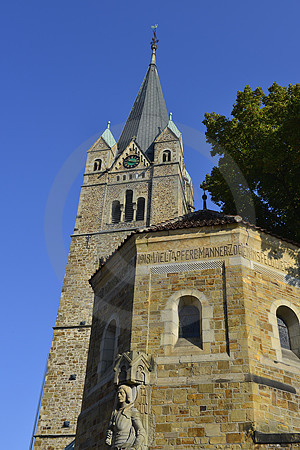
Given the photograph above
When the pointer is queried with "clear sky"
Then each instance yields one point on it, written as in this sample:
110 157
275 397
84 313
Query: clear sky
67 67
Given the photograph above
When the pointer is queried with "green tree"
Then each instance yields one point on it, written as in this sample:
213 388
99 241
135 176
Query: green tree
261 142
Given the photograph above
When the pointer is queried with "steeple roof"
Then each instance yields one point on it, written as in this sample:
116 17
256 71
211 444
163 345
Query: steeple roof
148 116
173 128
108 137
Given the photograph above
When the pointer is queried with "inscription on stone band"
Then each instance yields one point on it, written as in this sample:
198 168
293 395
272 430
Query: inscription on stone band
212 252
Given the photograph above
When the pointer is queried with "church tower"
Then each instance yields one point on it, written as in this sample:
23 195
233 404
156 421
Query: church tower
136 182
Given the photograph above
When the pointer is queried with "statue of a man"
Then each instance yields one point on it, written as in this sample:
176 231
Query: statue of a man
125 429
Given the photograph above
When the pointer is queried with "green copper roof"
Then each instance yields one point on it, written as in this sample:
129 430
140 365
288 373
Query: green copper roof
108 137
173 128
188 176
148 116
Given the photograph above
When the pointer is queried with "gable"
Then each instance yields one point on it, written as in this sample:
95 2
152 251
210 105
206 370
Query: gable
131 150
100 144
167 135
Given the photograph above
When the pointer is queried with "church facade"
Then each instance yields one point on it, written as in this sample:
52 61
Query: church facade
138 181
198 318
176 329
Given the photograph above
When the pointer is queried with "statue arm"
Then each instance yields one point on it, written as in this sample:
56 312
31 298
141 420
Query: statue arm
109 432
139 430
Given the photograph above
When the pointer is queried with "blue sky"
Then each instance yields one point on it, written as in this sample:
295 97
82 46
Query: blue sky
67 67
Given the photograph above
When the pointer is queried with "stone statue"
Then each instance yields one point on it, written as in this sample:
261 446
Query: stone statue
125 430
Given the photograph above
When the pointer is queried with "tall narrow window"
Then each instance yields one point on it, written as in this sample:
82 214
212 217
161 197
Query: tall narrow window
108 351
140 212
166 156
97 164
189 319
116 212
129 206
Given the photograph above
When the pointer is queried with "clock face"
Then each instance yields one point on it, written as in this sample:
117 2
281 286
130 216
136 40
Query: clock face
131 161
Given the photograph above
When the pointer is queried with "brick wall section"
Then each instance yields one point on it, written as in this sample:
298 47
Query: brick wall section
114 299
201 396
276 410
52 443
62 363
95 237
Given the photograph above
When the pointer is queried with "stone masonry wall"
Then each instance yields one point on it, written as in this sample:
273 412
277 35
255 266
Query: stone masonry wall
276 411
94 237
218 392
200 398
113 302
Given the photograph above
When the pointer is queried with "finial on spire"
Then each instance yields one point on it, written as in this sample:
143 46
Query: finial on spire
108 125
154 39
170 116
154 43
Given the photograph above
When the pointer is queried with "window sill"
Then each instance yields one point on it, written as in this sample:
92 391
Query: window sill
188 346
191 342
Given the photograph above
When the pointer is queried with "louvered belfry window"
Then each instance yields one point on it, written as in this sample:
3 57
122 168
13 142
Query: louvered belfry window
129 206
166 156
97 164
116 211
140 212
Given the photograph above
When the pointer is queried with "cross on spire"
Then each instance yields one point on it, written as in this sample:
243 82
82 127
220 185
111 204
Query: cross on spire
154 39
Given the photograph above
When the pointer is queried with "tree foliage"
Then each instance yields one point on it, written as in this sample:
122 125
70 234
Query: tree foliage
259 144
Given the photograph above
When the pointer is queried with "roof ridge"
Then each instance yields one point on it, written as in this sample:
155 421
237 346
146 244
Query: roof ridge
183 223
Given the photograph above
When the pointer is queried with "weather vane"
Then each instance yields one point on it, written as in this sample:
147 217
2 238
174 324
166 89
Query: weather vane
154 39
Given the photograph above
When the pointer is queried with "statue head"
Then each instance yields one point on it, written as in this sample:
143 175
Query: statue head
124 394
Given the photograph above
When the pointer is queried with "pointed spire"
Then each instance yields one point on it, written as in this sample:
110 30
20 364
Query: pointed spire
149 115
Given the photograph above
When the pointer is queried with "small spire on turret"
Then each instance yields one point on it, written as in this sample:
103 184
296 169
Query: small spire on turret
107 136
170 116
204 198
154 44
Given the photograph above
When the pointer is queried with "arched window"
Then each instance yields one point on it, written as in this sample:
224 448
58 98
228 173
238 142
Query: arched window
129 206
166 156
116 211
189 319
288 329
97 164
140 212
108 350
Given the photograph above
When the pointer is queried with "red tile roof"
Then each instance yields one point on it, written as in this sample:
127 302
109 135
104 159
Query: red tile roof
197 219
